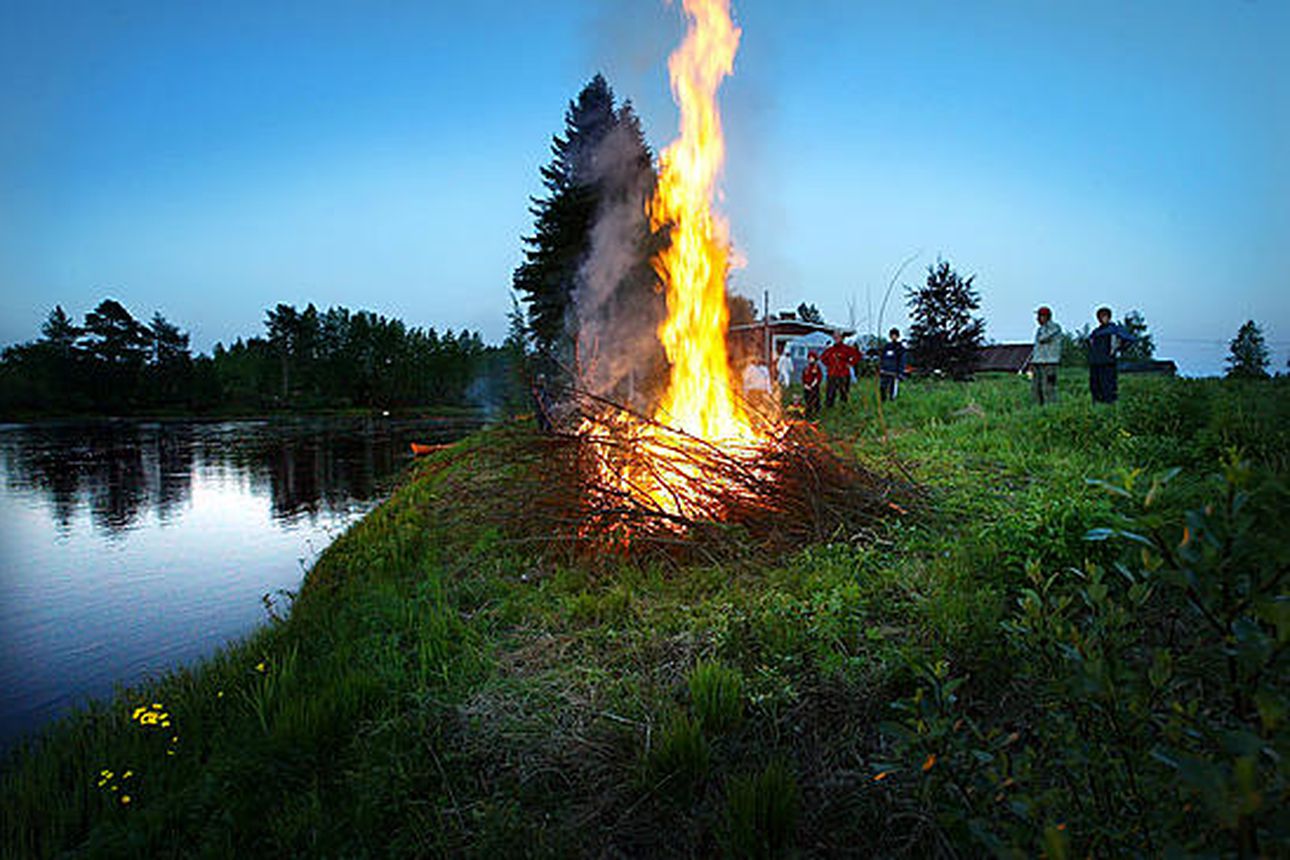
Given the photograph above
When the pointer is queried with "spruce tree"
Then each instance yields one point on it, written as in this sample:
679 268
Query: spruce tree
547 278
588 258
1144 348
944 336
1249 354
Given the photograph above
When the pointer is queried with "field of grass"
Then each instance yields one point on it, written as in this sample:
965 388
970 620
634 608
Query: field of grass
1078 646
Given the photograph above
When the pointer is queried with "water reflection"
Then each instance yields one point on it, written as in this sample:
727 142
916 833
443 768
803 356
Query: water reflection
120 470
127 548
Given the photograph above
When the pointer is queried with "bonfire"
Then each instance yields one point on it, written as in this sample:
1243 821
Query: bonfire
704 456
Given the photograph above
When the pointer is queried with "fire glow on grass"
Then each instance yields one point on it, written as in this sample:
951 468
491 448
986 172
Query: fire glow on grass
663 464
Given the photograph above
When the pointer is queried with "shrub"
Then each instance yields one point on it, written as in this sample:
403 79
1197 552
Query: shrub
1150 696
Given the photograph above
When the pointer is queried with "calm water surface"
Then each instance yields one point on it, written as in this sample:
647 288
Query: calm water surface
129 548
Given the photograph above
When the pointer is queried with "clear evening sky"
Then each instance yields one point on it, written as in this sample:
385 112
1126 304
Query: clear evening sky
209 160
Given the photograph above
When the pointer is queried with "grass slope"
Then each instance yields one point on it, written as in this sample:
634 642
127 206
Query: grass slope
981 679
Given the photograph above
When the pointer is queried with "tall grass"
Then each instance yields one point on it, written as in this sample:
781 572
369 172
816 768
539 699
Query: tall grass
439 691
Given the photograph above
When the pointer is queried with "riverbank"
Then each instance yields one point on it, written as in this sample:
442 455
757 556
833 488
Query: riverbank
982 675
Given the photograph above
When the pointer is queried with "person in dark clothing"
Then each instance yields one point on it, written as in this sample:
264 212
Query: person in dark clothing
1104 343
542 403
891 366
838 360
811 376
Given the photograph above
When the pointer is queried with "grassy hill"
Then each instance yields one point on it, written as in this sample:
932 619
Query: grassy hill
1077 645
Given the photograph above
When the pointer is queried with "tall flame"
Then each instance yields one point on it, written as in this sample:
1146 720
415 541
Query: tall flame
700 398
667 464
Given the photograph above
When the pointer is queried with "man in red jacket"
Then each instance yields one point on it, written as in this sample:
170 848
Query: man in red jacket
838 360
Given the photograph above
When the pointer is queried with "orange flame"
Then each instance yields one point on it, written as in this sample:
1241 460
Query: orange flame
701 406
700 399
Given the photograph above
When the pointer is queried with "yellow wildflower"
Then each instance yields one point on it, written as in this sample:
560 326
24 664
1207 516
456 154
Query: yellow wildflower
125 799
259 667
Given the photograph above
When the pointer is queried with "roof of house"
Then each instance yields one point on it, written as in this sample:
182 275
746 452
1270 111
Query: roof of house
789 327
1005 357
1165 366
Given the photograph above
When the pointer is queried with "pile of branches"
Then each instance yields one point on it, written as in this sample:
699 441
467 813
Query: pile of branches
562 489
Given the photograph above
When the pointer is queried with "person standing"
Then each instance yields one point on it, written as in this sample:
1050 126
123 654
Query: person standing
784 367
811 377
838 360
1104 343
891 366
1045 358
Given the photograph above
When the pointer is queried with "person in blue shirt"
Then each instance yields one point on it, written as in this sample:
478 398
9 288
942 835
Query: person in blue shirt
891 366
1105 343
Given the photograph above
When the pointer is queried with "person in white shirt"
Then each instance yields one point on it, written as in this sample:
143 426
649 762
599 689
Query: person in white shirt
784 367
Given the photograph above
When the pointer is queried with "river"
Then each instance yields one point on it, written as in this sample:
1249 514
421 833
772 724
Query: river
128 548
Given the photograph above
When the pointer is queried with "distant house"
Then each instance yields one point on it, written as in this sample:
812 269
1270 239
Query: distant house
1164 367
1003 358
754 339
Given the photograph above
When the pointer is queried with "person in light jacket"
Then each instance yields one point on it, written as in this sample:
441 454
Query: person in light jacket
1044 359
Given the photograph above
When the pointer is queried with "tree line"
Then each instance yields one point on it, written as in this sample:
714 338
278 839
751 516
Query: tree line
306 359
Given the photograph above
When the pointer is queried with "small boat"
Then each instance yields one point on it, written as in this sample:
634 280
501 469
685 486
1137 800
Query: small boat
419 448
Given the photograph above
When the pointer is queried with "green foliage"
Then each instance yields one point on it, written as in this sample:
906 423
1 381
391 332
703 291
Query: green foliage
761 813
600 163
1248 358
1075 346
680 759
1149 702
1142 349
439 690
309 360
716 693
943 335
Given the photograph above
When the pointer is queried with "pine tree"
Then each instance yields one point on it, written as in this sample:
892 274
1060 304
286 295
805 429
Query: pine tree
944 336
1249 354
1144 348
810 314
60 332
599 164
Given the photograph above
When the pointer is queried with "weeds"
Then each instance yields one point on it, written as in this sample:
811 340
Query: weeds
761 813
716 692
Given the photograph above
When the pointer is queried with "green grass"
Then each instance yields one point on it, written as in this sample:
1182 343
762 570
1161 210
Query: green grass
439 689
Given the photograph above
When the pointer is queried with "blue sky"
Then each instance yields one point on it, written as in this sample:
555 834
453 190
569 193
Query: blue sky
211 160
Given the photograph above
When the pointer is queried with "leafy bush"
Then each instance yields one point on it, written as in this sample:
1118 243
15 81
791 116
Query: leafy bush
1151 696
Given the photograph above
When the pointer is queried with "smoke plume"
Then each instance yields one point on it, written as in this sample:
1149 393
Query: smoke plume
618 302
